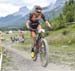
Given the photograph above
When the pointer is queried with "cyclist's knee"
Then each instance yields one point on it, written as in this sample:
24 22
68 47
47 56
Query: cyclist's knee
33 34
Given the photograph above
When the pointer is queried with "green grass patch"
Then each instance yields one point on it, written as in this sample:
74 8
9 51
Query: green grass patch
61 44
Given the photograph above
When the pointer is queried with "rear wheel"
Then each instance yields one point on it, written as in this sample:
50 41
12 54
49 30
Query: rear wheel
44 53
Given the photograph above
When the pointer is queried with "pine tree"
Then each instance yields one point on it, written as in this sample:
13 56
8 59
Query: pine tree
67 15
69 11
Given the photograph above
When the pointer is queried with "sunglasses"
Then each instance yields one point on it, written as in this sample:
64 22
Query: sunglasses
38 8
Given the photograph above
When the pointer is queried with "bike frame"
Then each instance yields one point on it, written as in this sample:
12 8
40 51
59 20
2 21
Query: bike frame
38 48
38 39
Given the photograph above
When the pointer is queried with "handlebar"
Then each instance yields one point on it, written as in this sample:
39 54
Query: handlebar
41 30
36 30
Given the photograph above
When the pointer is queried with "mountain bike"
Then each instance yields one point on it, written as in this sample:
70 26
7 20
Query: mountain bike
41 47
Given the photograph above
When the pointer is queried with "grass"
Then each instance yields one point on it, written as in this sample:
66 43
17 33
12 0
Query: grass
61 45
63 36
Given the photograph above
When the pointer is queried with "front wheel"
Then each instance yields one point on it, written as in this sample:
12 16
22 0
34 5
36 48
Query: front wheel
44 53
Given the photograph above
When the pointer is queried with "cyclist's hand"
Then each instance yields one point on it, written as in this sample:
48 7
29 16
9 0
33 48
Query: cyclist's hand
50 28
30 29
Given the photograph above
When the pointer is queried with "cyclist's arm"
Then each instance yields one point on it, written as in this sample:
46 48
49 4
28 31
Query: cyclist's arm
28 21
47 23
27 24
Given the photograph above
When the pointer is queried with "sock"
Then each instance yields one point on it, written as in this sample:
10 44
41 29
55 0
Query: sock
32 49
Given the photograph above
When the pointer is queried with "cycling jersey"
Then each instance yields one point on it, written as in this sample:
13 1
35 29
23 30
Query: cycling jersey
35 19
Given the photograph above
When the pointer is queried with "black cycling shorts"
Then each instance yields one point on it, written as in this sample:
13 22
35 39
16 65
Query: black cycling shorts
34 25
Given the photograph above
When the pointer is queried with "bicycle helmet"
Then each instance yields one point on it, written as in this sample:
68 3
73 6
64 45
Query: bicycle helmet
38 8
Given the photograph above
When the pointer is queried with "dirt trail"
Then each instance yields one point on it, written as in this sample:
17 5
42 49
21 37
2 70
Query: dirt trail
21 61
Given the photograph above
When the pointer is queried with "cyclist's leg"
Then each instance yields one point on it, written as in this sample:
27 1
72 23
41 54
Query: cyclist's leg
33 35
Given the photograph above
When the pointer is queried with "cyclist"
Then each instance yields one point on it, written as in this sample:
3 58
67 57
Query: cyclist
33 22
21 33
